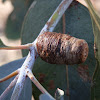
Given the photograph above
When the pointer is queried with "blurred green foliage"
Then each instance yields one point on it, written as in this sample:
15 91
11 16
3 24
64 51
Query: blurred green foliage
15 19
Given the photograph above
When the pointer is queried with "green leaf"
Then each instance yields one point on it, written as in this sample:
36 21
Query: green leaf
52 76
44 97
95 89
7 69
15 19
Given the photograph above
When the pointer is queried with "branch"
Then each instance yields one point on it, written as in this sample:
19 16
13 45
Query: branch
55 18
22 76
30 60
27 46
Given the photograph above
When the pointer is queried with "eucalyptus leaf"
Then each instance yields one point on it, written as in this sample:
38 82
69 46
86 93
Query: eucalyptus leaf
15 19
44 97
52 76
7 69
95 89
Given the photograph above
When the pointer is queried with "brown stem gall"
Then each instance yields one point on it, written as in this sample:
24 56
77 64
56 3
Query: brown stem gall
57 48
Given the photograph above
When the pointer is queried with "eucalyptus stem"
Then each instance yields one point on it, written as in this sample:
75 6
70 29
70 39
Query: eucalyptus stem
35 81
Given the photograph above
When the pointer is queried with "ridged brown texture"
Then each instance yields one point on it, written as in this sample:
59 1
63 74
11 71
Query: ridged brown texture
57 48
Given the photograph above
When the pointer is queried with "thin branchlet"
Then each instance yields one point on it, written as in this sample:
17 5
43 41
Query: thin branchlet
26 46
35 81
8 89
9 76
